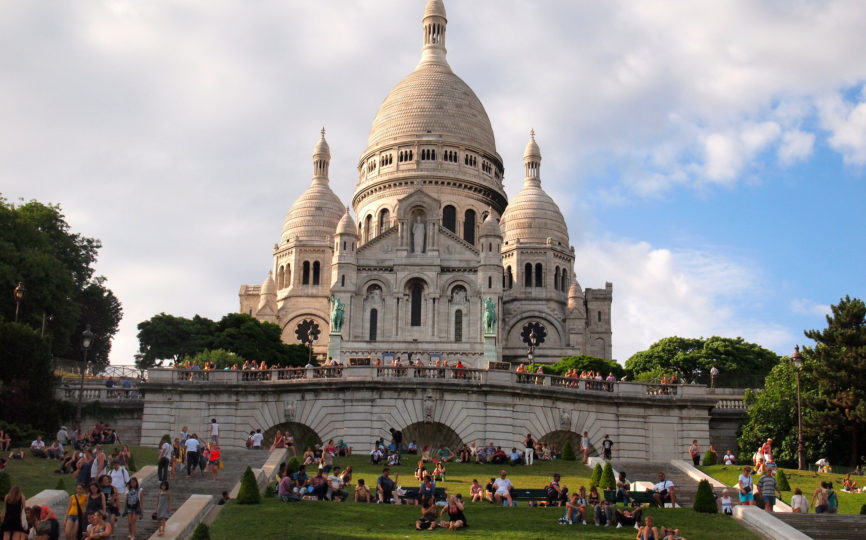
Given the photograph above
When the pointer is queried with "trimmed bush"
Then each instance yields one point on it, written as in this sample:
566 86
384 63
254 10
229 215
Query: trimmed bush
130 465
292 465
5 484
607 479
249 490
596 475
709 458
568 452
202 532
863 510
705 502
61 485
782 480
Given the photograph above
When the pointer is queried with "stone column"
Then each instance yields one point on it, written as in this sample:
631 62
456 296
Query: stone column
335 346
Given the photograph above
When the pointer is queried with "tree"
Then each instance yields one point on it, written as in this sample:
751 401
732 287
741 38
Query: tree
738 361
608 481
709 458
782 480
580 363
568 452
596 475
26 395
838 365
166 337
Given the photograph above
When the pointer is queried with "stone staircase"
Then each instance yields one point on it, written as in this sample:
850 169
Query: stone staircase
235 463
827 526
638 471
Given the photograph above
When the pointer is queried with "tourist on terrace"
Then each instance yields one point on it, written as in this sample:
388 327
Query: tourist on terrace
745 485
695 452
279 441
385 487
664 491
503 487
362 492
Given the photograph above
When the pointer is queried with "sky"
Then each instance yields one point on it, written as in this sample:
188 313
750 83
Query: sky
708 157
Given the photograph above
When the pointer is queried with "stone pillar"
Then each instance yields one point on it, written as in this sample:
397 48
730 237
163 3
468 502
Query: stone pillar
490 349
335 346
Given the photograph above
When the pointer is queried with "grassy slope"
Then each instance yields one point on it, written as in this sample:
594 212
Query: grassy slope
274 519
849 503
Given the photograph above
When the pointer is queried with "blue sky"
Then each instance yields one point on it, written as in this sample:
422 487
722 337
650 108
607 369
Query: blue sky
708 158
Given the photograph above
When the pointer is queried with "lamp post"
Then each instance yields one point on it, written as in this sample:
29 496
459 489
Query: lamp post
310 336
19 294
797 361
533 341
86 342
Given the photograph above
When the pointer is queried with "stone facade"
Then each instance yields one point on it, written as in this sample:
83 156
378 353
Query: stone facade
435 237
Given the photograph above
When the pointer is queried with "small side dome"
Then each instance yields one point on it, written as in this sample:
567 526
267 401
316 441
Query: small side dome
532 150
322 149
490 226
573 295
347 226
269 286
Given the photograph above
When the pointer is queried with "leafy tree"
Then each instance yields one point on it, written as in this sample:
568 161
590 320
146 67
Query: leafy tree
220 358
608 481
580 363
838 365
167 337
691 358
705 502
26 394
596 475
249 490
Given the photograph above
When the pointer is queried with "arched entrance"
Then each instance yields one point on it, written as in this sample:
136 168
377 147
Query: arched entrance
560 437
303 434
431 434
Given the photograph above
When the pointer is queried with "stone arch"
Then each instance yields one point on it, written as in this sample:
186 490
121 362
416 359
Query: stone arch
384 285
432 434
555 332
559 437
448 285
384 220
302 433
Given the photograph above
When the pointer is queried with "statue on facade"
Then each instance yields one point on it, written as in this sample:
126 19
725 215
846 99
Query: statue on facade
489 316
337 308
418 236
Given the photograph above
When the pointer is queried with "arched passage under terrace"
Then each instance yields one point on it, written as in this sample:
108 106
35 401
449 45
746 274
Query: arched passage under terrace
431 434
303 435
560 437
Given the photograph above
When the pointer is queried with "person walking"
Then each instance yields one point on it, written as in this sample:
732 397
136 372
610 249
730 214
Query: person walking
529 450
164 461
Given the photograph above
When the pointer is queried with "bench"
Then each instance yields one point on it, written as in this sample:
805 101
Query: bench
529 494
635 498
438 494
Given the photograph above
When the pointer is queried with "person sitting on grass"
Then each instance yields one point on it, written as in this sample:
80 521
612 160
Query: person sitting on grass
309 457
671 534
284 488
362 492
427 489
848 484
444 454
499 457
729 458
346 476
439 472
376 455
428 516
624 517
319 485
575 511
299 480
5 440
475 491
503 487
603 514
37 447
593 497
515 457
648 531
385 487
335 486
556 494
490 489
622 487
455 517
420 471
663 492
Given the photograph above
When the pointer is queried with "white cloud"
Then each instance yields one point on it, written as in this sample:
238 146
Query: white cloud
846 123
796 146
804 306
727 153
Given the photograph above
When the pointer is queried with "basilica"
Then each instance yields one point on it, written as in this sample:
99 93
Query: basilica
439 264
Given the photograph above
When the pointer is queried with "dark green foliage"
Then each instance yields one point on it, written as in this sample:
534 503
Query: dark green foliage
271 490
740 363
863 510
311 442
709 458
165 438
5 484
596 475
704 500
568 452
580 363
293 465
608 481
21 434
782 480
61 485
202 532
130 465
249 490
26 381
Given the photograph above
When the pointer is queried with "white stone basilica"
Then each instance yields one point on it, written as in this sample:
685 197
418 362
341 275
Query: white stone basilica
436 238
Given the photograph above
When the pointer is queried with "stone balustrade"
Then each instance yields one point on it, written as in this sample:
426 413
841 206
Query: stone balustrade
95 390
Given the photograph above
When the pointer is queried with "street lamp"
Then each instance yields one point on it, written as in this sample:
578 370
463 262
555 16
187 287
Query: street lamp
533 341
310 336
797 361
19 294
86 342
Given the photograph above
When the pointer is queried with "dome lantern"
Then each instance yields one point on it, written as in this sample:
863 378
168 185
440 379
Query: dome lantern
532 159
434 33
321 157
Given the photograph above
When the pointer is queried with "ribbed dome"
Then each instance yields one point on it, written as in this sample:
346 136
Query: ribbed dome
347 225
532 216
269 287
315 214
433 102
490 227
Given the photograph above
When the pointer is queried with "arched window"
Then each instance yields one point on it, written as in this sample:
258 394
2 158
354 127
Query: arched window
287 278
539 275
510 278
316 272
343 280
368 223
458 325
556 279
469 227
417 300
374 323
527 275
599 316
306 274
564 281
449 218
384 220
281 273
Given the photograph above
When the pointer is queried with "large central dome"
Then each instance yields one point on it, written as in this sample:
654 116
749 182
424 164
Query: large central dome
432 100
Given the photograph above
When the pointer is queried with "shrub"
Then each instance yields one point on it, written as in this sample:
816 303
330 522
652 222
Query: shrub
5 484
568 452
607 479
709 458
249 490
705 502
782 480
292 465
202 532
61 485
863 510
130 465
596 475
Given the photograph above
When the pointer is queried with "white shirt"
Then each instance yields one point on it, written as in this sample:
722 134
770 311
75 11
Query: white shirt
191 445
729 459
799 501
119 478
165 450
215 429
663 485
37 445
257 440
502 485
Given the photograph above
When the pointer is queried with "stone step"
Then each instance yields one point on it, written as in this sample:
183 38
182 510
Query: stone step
827 526
637 471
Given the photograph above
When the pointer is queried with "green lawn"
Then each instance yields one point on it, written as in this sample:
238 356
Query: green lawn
311 519
34 474
849 503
